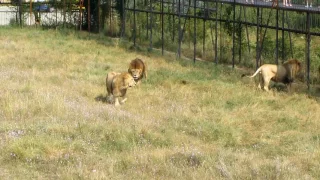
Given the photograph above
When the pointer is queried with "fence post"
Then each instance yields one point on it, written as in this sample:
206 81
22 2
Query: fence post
194 31
233 32
179 26
204 32
282 37
20 13
151 20
134 23
308 38
240 35
162 38
277 33
257 36
99 17
216 35
89 16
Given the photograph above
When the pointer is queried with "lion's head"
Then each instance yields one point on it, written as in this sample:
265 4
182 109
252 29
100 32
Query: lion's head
128 80
137 69
136 73
293 68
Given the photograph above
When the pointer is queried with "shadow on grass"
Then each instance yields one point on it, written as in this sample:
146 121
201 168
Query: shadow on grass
101 98
314 93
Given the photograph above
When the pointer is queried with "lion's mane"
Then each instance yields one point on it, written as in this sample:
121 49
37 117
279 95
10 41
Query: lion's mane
138 69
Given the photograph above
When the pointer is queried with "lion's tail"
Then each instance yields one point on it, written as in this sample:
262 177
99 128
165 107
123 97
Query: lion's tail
258 71
245 75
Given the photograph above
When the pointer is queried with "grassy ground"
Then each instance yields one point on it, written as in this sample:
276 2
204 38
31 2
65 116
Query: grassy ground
186 121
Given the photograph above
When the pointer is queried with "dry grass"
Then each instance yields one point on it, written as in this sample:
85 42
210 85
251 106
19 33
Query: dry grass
186 121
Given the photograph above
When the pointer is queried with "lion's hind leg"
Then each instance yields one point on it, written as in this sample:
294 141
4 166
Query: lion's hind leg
266 82
109 81
261 82
259 85
109 95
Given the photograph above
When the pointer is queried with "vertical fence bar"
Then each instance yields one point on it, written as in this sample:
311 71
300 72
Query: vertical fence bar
216 35
151 20
258 43
240 34
110 18
99 17
233 32
162 38
55 3
89 16
283 38
173 20
179 26
64 13
245 19
194 31
134 23
20 13
204 32
308 38
220 32
277 34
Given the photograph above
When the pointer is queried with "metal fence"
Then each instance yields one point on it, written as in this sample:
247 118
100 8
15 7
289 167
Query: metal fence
192 28
282 21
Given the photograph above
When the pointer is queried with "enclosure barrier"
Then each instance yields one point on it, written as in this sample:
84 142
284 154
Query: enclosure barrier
202 23
214 11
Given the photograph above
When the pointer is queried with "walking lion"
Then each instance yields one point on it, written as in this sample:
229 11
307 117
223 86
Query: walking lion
284 73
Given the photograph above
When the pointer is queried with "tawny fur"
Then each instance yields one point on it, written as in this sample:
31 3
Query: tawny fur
117 85
284 73
138 69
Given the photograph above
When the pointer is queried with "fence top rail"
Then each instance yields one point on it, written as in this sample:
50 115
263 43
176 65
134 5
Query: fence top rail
293 5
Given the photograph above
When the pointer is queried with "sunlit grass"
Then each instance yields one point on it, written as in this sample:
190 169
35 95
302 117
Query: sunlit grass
186 121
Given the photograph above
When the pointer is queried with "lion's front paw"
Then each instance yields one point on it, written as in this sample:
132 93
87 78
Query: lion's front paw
116 103
123 101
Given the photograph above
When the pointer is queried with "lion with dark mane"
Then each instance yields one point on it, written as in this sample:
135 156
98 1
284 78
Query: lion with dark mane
284 73
117 85
138 69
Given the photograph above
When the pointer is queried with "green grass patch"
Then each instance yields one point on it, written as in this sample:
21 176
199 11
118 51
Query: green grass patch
185 121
